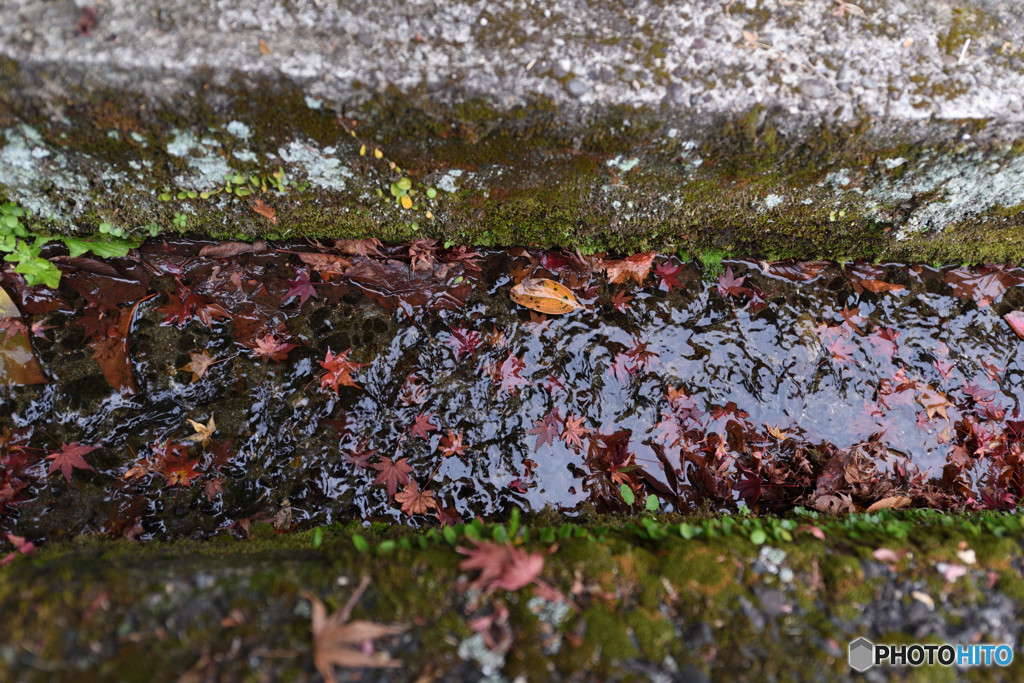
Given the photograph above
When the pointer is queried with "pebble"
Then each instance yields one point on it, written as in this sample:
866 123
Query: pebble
576 87
813 88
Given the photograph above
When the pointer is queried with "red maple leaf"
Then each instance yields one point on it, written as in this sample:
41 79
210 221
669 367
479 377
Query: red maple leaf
301 287
749 486
573 432
464 341
70 457
501 566
884 341
208 311
339 371
666 273
422 426
359 457
730 285
546 429
177 310
621 302
178 469
841 350
452 445
270 348
510 373
392 473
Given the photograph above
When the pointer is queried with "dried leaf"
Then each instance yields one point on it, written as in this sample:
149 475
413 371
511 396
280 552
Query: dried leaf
199 365
890 502
18 364
264 48
634 268
545 296
203 432
338 642
414 501
265 211
229 249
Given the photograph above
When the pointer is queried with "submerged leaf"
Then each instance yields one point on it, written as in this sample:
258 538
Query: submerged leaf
1015 319
545 296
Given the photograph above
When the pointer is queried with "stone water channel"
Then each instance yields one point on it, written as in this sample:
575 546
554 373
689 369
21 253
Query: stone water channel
187 395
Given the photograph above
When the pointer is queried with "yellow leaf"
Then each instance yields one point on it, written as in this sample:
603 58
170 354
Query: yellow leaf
377 154
203 432
545 296
362 151
406 202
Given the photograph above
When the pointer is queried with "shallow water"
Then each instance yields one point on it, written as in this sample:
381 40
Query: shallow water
804 384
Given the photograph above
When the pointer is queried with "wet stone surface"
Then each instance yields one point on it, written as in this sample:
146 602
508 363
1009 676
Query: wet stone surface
403 384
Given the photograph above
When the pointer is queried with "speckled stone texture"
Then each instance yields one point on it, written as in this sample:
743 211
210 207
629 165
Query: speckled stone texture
905 59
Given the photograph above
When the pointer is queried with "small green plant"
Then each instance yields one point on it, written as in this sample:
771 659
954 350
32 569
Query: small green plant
711 262
180 219
20 247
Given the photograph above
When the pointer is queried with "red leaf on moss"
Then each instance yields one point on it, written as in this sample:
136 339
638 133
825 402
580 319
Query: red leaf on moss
501 566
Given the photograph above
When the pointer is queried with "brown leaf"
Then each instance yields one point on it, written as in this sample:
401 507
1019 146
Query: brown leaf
635 267
229 249
18 364
501 566
890 502
414 501
338 641
545 296
264 48
265 211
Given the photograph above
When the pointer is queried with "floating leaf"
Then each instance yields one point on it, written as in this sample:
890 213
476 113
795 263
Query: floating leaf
18 364
545 296
1015 319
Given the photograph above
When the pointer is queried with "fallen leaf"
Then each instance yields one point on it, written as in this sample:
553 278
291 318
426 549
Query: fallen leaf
339 371
199 365
890 502
545 296
265 211
635 268
888 556
338 642
229 249
264 48
414 501
70 457
203 432
501 566
1015 319
392 473
18 364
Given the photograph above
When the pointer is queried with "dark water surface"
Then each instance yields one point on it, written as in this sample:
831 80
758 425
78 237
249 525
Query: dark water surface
805 384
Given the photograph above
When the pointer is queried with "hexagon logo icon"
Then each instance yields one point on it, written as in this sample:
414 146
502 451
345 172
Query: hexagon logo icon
862 654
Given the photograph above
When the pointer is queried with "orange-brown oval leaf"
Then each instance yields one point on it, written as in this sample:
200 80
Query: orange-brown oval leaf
545 296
